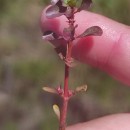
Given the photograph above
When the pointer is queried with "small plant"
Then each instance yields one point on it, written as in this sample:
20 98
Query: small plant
68 8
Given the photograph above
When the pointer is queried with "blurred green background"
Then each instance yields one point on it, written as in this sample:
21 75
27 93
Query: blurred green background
27 64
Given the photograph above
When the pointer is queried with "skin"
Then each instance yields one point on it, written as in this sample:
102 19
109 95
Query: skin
109 52
111 122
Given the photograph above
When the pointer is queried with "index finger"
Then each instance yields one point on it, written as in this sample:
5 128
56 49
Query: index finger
109 52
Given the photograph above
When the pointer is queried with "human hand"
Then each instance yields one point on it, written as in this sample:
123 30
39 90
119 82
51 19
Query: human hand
109 52
112 122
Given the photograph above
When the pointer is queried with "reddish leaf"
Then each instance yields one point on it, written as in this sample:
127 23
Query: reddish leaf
62 8
92 31
49 36
85 4
53 11
53 2
67 34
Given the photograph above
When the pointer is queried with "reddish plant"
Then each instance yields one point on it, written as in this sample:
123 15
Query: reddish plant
68 8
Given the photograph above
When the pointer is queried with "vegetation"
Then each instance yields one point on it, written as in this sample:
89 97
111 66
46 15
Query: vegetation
26 66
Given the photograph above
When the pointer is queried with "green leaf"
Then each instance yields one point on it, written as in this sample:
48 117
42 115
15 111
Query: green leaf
71 3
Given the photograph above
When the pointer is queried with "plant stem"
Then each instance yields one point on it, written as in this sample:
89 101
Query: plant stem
65 99
66 90
63 113
66 96
66 81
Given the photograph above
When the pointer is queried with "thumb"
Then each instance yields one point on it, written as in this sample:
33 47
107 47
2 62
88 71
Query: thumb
109 52
111 122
